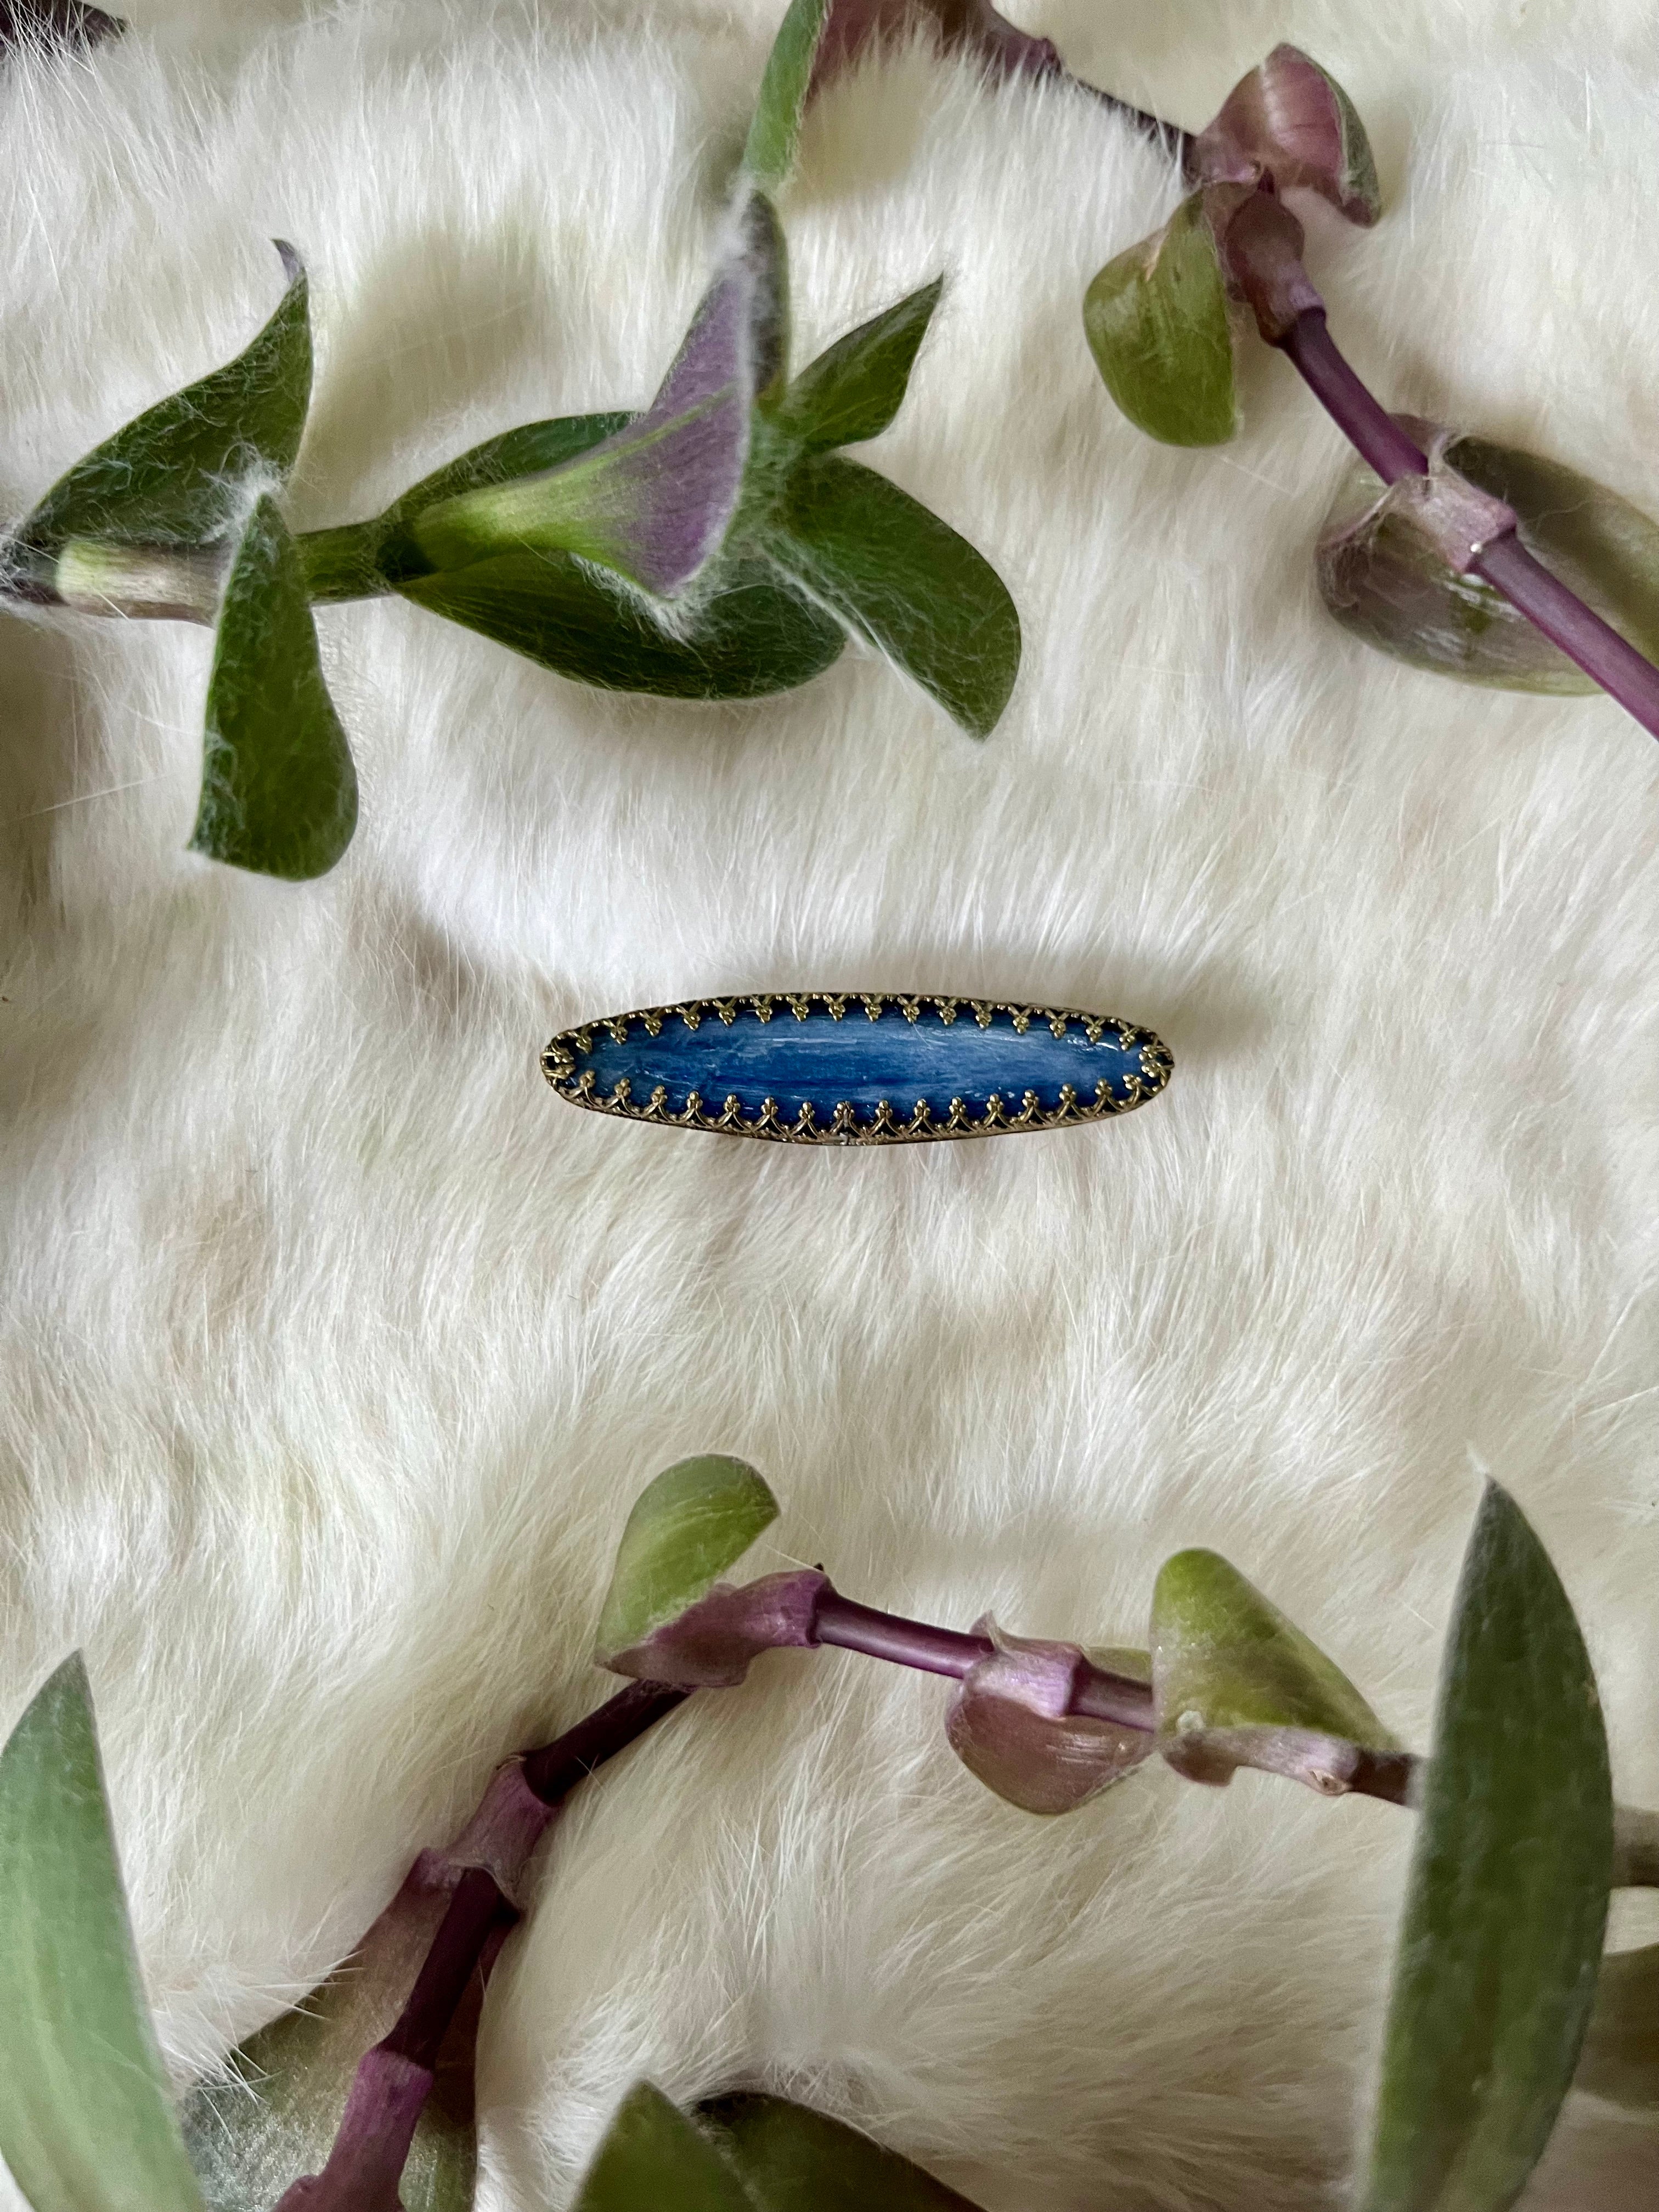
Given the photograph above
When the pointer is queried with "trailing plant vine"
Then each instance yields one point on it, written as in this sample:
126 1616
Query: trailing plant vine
1493 2013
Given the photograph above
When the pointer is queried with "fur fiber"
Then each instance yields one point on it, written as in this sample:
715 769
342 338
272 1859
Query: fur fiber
334 1349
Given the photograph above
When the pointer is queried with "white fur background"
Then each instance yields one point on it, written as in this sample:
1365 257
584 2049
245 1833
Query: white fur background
335 1349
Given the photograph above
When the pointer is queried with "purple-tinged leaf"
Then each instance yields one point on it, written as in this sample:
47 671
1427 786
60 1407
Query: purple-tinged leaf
1011 1725
1384 578
653 503
1158 325
1236 1684
709 1646
1291 120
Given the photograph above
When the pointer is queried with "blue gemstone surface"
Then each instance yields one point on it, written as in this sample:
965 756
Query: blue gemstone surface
858 1067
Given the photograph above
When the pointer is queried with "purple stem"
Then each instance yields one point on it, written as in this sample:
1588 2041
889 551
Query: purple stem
1504 562
393 2080
841 1621
390 2087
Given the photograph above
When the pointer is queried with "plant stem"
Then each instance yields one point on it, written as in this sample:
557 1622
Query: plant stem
393 2080
841 1621
1505 562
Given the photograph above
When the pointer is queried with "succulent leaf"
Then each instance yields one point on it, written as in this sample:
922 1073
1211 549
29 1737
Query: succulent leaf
696 1519
652 2156
1291 120
1236 1684
1384 578
1158 325
711 1645
1011 1726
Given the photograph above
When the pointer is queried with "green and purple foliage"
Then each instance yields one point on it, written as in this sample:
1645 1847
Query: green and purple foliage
1439 556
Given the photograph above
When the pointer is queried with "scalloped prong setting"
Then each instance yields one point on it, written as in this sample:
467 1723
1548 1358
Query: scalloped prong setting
858 1067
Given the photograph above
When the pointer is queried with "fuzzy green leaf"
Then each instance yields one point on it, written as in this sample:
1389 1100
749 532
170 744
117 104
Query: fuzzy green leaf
1236 1684
276 2119
653 501
279 793
794 2159
86 2122
1157 323
903 580
175 474
853 391
687 1528
769 154
1384 580
748 636
654 2160
1508 1894
1620 2058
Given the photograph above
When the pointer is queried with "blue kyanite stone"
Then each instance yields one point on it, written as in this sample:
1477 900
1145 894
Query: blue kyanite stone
857 1067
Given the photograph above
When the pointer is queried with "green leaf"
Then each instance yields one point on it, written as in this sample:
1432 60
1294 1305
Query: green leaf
1157 324
86 2123
1384 580
903 580
1620 2058
794 2159
1236 1684
279 793
853 391
687 1528
249 2138
654 2160
1507 1893
769 154
748 636
175 474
